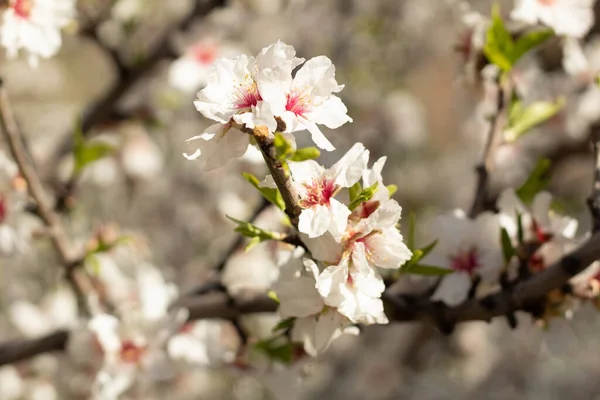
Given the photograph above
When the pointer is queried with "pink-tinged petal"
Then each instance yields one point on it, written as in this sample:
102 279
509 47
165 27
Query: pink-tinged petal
453 289
387 249
306 171
349 169
259 115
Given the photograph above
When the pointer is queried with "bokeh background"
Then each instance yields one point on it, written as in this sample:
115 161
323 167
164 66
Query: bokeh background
410 99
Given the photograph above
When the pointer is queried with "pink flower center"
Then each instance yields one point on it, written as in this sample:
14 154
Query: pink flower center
247 96
203 53
298 103
538 232
130 352
318 192
547 2
22 8
465 261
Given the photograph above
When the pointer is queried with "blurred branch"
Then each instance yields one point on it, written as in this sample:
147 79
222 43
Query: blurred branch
594 199
481 202
523 296
59 239
104 110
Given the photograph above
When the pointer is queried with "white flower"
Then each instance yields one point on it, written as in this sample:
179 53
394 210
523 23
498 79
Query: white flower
132 347
574 60
190 71
539 222
317 187
34 26
201 343
567 17
232 91
11 382
57 311
315 325
353 284
307 100
468 247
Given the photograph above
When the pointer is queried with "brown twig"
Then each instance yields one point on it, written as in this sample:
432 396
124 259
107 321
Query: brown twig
594 199
14 139
494 139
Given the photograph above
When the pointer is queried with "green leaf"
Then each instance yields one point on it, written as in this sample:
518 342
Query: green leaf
392 189
499 45
410 237
283 148
528 42
273 296
525 118
520 233
284 324
507 248
306 153
427 270
271 194
275 350
420 253
537 181
355 191
87 153
257 234
365 195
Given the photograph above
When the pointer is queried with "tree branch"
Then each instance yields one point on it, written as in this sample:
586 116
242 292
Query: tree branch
594 199
58 237
494 139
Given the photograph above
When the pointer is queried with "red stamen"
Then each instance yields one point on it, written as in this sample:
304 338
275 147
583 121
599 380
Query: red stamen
465 261
22 8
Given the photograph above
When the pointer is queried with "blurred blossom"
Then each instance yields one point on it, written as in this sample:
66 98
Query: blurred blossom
202 343
34 26
467 247
567 17
574 61
11 383
58 310
189 72
140 155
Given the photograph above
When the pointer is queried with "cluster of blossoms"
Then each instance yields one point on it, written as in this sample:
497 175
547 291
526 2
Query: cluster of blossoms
34 27
246 92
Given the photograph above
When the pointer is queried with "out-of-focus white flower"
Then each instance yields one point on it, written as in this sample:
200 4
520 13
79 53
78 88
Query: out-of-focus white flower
127 10
58 310
316 325
140 156
190 71
469 248
317 186
567 17
201 343
34 26
539 222
574 61
132 347
11 383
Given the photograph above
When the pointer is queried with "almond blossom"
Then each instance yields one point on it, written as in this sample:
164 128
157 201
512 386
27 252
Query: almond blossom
567 17
317 187
538 221
353 284
315 325
467 247
34 26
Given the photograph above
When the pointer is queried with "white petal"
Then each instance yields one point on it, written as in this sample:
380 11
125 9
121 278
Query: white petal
339 214
315 221
453 289
317 136
350 168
